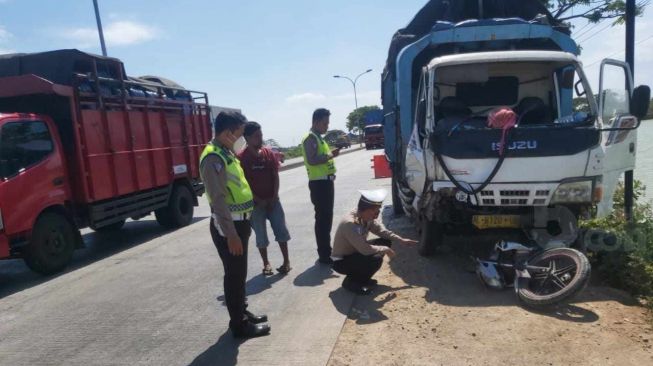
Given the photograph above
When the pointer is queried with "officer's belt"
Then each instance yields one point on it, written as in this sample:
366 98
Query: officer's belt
326 177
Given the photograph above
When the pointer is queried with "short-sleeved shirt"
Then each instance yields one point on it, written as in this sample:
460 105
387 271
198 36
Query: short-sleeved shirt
260 171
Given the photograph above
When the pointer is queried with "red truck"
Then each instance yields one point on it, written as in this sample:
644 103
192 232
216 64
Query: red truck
83 145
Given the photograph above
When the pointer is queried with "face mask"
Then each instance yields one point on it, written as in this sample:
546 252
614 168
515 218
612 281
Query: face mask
239 144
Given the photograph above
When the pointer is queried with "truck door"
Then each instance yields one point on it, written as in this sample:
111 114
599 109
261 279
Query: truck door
416 173
619 136
31 173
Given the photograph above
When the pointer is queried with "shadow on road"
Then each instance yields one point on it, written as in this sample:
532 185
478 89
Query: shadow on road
224 352
256 285
365 309
15 276
449 277
314 276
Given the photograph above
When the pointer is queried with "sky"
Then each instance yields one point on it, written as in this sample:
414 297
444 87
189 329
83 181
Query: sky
274 60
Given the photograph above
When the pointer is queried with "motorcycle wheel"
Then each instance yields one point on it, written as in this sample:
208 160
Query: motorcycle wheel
568 274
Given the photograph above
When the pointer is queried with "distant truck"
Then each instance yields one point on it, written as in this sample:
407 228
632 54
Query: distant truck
373 137
83 145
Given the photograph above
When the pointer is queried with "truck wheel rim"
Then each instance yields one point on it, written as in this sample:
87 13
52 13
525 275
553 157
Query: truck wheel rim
55 242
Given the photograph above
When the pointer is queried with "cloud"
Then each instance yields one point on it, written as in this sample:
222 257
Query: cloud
5 35
116 33
305 98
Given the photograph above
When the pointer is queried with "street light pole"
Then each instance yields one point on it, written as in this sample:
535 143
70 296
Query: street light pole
99 27
353 83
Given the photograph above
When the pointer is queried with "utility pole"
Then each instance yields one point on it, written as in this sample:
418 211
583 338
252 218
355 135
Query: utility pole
630 59
99 27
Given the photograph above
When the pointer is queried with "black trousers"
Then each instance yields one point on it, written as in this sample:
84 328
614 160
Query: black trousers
360 268
235 272
322 196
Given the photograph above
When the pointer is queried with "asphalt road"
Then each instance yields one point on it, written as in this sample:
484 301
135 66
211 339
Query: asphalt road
145 296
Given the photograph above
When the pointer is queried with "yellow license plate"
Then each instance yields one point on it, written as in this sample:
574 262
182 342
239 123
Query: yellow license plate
496 221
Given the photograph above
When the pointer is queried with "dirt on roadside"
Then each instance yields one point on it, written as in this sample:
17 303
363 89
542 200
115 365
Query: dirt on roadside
435 311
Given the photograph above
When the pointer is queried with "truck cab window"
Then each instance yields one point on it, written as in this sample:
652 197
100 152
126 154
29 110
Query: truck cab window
615 94
23 144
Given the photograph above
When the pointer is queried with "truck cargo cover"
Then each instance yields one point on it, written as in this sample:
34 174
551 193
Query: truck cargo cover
59 66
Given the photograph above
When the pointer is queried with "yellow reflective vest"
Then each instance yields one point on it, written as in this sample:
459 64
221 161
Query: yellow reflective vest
240 199
322 170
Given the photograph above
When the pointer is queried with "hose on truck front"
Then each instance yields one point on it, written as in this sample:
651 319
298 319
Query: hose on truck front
487 181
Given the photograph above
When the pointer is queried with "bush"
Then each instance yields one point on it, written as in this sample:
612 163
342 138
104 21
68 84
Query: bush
624 258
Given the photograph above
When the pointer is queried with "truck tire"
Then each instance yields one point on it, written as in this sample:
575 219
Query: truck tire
111 227
179 211
397 208
431 236
51 245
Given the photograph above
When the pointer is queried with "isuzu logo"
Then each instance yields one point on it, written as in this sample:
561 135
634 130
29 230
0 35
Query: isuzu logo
516 145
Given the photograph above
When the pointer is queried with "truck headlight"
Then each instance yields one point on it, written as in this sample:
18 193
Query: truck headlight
573 192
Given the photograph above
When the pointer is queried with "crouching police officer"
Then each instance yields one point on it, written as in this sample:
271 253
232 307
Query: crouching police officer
231 202
356 257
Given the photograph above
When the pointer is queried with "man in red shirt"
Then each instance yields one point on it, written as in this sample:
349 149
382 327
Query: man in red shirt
262 172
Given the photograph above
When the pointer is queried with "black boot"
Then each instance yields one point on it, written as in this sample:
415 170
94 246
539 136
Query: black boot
355 287
371 282
250 330
256 319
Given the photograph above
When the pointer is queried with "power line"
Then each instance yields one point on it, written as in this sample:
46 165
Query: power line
618 52
583 27
588 29
595 34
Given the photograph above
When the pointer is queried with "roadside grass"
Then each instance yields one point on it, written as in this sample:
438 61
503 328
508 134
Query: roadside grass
622 252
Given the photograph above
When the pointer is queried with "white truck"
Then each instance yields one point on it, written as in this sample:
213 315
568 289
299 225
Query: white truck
561 161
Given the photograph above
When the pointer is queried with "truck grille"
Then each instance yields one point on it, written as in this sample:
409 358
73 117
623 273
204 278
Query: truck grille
538 196
514 193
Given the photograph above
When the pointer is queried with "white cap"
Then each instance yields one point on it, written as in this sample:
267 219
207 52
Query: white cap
374 197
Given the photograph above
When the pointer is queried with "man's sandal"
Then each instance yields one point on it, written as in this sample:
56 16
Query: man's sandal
284 269
267 271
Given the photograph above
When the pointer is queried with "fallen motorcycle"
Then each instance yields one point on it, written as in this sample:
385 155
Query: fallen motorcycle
541 277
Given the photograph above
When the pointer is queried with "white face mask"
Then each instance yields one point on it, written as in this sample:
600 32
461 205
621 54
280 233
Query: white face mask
239 144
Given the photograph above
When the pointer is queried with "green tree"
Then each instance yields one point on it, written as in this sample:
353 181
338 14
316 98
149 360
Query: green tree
356 119
592 10
271 142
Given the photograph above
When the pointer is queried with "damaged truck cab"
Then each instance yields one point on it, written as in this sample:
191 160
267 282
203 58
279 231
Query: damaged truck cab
562 159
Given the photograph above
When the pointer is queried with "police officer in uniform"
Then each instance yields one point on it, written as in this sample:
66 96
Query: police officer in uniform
356 257
231 201
318 159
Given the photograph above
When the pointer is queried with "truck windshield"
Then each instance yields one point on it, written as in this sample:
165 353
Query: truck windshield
373 130
539 92
23 144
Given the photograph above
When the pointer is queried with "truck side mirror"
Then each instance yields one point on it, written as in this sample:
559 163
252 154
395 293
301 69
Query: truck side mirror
640 101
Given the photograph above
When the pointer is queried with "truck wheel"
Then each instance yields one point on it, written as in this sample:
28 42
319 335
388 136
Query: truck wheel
179 211
111 227
397 209
52 244
430 238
